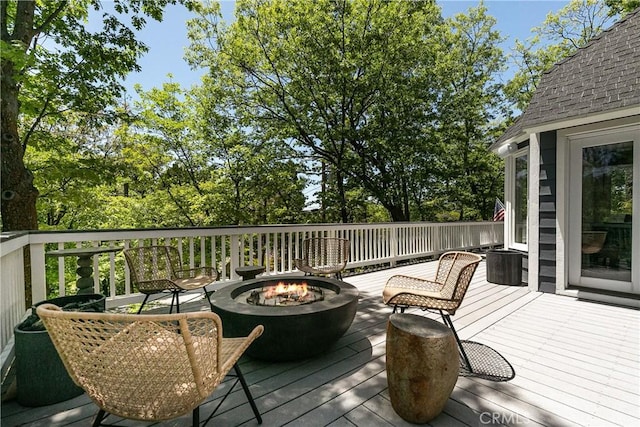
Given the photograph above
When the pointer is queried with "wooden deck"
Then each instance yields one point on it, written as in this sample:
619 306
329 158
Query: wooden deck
576 363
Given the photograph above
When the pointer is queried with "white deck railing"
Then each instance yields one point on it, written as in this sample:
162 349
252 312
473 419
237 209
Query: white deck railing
226 248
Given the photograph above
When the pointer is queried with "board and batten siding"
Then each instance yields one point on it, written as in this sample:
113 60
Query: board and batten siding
547 213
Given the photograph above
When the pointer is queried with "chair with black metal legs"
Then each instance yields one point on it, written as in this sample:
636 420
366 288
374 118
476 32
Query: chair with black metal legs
444 293
147 367
159 269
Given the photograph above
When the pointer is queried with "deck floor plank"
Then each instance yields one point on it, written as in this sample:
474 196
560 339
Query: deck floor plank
576 364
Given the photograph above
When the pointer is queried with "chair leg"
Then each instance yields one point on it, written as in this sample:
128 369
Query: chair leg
447 321
396 307
240 378
146 297
196 417
101 415
248 393
206 293
174 297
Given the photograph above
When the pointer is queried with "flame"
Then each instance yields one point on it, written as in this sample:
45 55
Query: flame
290 290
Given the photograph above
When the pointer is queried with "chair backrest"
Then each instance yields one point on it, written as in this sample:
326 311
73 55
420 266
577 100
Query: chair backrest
325 251
455 270
593 241
154 266
144 367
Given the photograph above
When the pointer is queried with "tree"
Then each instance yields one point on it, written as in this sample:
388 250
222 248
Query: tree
70 165
470 100
368 92
622 7
345 82
52 64
559 35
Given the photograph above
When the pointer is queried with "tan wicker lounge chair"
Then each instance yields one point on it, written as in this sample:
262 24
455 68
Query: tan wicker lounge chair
146 367
324 256
158 269
444 293
592 241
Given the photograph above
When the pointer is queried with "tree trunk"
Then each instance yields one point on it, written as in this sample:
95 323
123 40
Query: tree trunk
17 193
397 213
16 184
344 213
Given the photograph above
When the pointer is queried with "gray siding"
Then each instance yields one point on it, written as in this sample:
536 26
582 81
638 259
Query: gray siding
547 231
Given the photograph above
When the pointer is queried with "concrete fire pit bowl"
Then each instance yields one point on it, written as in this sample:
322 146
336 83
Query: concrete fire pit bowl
290 332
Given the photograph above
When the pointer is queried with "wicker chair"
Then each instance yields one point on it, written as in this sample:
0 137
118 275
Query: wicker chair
324 256
147 367
158 269
592 241
444 293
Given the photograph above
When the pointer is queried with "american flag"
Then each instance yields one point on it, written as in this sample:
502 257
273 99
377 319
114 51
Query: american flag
498 211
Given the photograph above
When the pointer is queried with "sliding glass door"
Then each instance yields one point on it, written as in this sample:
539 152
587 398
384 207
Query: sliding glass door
603 228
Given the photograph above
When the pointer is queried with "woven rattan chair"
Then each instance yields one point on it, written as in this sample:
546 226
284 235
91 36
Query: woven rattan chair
324 256
592 241
158 269
147 367
444 293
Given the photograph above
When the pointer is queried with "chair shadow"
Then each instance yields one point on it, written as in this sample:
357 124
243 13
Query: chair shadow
486 363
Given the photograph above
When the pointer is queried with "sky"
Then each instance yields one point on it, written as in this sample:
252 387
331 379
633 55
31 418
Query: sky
167 40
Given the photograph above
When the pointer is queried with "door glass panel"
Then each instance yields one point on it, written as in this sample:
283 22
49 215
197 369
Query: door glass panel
607 184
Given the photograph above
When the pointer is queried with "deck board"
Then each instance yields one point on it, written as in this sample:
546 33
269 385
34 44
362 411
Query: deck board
576 364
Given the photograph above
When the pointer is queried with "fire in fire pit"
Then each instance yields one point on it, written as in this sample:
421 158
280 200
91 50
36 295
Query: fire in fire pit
286 294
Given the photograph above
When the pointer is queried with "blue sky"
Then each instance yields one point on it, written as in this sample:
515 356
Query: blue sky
167 40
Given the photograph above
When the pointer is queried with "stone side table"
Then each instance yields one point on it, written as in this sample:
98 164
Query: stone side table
422 366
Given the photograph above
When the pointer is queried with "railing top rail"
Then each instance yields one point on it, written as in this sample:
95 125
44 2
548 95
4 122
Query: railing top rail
13 242
58 236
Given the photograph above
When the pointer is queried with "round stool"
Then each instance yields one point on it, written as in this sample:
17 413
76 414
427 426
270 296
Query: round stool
422 366
249 272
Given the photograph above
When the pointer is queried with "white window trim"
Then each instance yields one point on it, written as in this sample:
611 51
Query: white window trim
510 197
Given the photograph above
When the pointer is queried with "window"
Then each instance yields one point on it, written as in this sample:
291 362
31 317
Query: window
520 200
517 197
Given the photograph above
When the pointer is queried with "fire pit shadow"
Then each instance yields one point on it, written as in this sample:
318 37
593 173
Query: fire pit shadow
291 332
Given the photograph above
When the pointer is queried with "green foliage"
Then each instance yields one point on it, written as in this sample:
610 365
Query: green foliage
357 86
390 105
56 72
622 7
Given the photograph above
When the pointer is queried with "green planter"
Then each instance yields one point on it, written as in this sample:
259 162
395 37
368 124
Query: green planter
40 374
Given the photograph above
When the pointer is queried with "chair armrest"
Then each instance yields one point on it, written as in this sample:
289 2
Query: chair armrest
196 272
403 285
231 349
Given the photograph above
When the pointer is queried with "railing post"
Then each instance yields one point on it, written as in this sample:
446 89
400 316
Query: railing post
235 255
38 276
394 245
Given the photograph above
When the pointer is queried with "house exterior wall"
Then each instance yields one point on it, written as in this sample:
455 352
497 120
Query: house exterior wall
547 213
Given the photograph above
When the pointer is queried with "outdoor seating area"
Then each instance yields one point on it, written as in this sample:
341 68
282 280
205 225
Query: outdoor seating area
570 369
